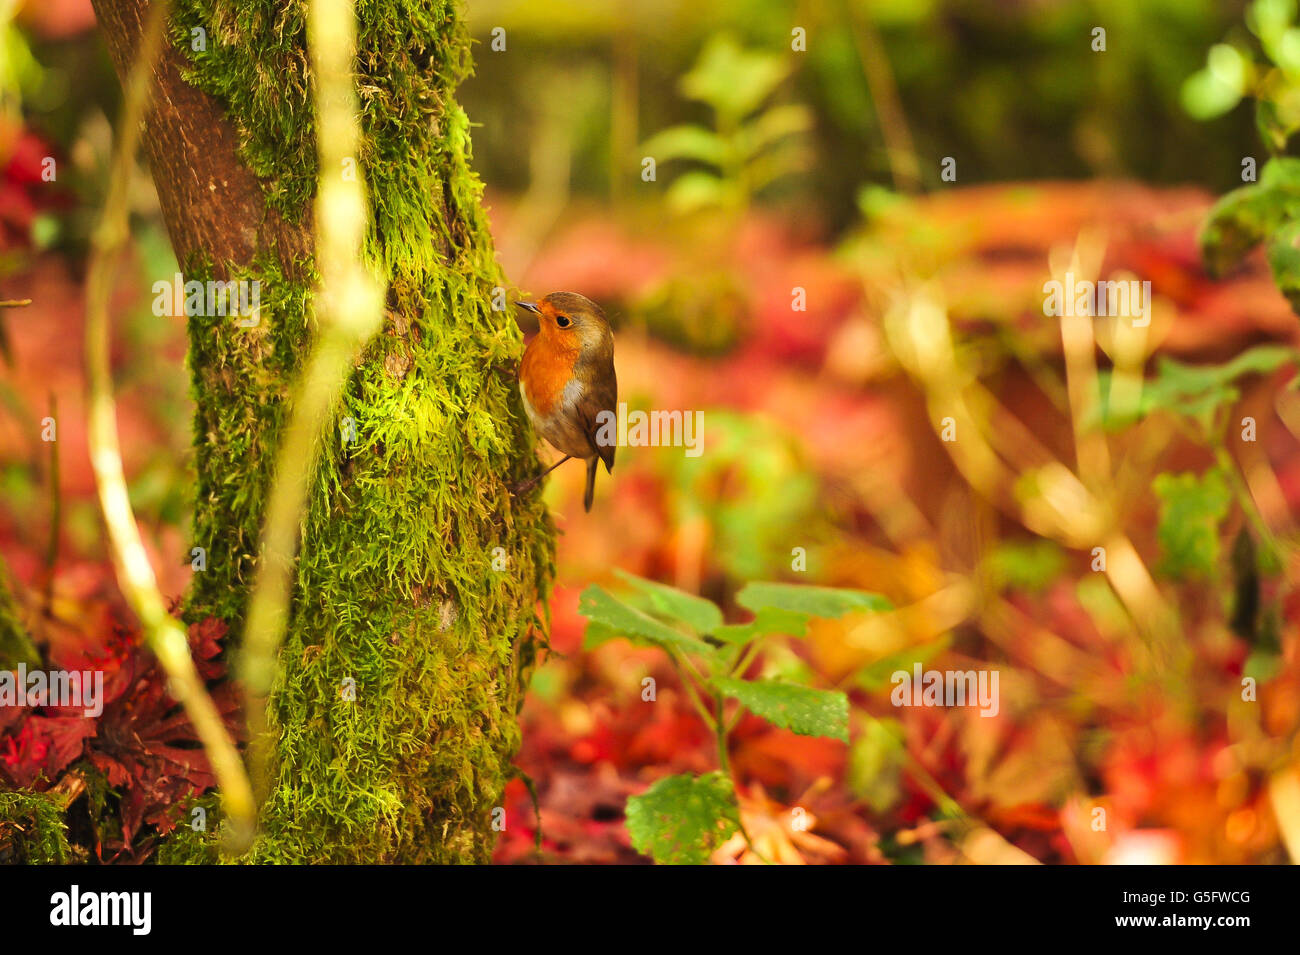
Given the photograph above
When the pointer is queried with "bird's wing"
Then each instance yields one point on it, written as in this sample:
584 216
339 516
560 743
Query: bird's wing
601 395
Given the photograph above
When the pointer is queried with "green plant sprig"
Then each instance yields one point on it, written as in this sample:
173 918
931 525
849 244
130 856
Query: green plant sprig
684 818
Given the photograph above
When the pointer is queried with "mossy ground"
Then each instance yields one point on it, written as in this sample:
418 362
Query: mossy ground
396 590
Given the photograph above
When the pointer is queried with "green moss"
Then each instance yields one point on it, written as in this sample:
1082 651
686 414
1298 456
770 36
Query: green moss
395 587
32 829
189 846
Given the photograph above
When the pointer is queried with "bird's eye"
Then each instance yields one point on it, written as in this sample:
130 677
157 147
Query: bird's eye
563 321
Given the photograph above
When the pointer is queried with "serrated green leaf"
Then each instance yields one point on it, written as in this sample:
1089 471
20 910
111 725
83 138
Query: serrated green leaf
700 614
597 634
1191 509
801 709
603 608
814 601
681 820
767 621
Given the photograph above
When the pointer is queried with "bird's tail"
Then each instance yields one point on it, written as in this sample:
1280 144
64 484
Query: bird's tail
590 494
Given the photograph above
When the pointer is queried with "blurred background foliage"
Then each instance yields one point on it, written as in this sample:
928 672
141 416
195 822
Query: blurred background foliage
1007 87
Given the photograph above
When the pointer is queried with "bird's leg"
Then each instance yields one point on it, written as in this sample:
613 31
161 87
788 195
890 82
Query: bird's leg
520 488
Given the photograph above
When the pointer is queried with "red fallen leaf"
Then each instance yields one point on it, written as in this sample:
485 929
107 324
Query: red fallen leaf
147 746
43 748
142 741
205 644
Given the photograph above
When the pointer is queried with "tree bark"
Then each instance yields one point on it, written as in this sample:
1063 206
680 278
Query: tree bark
212 202
407 653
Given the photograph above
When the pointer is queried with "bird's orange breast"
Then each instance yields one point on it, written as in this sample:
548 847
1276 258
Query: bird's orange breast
545 371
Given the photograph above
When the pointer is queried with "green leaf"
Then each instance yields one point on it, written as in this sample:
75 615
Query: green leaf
1286 53
700 614
695 190
604 609
1240 221
784 160
802 709
1259 360
1198 391
732 80
686 142
1267 19
813 601
1206 95
767 621
597 634
1191 509
682 819
773 125
1272 125
1284 260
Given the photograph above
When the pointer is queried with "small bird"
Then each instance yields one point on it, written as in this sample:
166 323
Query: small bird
567 379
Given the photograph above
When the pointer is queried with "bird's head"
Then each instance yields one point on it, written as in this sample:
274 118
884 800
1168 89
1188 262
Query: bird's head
568 315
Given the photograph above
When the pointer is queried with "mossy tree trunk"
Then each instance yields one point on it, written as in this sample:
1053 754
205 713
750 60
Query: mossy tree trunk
396 592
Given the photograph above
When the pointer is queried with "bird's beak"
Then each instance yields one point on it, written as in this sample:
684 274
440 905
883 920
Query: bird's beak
530 306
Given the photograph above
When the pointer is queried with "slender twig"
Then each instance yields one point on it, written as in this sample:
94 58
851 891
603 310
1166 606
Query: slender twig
349 310
163 634
1245 499
899 149
720 730
14 302
56 516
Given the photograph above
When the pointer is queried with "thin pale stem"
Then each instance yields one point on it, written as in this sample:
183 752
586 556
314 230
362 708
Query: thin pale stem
163 634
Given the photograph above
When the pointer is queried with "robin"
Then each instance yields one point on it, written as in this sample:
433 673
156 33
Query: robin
567 379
